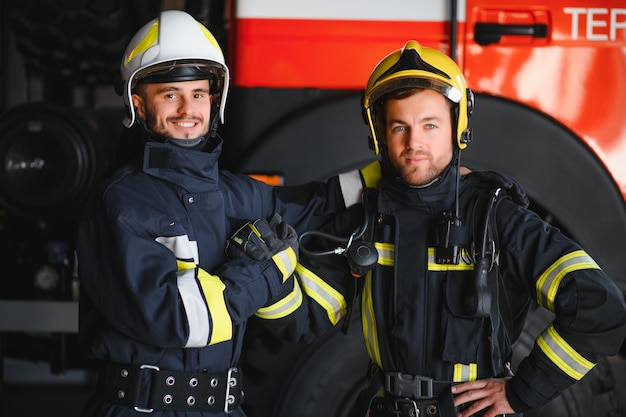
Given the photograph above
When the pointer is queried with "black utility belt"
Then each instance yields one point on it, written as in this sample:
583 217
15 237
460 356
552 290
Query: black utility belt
147 388
413 396
404 407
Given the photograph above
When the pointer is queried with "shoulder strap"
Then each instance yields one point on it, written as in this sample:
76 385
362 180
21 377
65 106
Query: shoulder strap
364 243
483 298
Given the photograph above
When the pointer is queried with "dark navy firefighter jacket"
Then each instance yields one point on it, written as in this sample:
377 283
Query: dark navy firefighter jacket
412 307
156 286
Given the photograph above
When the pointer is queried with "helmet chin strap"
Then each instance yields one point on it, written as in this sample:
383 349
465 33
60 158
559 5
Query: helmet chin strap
195 143
187 143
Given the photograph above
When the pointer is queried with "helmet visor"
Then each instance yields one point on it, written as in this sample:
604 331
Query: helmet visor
175 71
411 81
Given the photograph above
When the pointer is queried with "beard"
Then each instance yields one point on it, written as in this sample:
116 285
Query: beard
159 129
418 176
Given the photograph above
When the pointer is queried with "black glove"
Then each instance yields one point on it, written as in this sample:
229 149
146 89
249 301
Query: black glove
259 239
498 179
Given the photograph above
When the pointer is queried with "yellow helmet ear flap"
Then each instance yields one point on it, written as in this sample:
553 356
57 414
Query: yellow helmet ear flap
373 138
465 109
369 118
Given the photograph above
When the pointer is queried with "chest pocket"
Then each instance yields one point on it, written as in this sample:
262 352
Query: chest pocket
462 333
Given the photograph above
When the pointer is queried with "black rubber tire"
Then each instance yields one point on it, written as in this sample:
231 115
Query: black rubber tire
305 380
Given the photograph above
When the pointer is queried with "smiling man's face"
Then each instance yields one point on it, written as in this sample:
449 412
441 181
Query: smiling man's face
179 110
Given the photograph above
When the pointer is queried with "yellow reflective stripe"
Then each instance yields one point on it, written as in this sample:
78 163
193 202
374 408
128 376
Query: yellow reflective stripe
284 306
368 322
148 40
548 283
326 296
286 262
213 289
386 253
210 37
465 372
371 174
462 266
183 265
562 354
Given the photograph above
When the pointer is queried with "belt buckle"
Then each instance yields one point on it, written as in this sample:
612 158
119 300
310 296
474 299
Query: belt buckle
423 388
231 381
146 410
412 411
404 385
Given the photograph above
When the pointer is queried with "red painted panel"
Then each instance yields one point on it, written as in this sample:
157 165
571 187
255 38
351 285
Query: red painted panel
576 75
325 54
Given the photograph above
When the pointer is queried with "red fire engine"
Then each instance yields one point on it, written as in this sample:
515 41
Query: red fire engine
549 79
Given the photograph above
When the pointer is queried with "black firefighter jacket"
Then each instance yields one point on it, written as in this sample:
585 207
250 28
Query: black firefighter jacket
156 286
412 308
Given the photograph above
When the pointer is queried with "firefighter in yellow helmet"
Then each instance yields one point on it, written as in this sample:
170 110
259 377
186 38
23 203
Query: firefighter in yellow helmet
418 67
459 261
162 310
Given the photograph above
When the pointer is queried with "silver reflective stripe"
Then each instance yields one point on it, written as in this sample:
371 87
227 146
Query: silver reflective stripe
286 262
284 306
386 253
325 295
351 187
186 253
195 309
548 283
562 354
465 372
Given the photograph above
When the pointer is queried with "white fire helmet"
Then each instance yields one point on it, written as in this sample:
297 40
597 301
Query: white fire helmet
174 47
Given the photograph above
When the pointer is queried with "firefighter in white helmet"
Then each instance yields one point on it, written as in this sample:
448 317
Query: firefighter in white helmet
162 309
174 48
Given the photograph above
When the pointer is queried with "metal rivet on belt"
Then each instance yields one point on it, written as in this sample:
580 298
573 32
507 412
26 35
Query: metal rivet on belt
214 382
191 400
193 382
211 400
124 373
432 410
170 380
168 399
121 394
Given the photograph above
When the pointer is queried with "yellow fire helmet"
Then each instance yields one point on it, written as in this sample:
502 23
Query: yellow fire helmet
417 66
174 47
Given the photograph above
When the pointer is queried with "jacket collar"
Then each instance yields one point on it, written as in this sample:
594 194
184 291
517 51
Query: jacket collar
189 169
